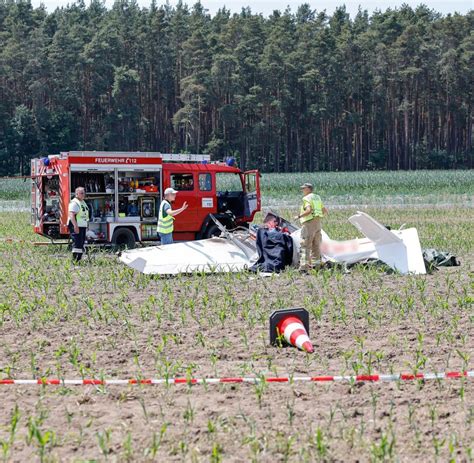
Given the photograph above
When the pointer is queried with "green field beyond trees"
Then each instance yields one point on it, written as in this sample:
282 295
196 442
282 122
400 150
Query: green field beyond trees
436 187
295 91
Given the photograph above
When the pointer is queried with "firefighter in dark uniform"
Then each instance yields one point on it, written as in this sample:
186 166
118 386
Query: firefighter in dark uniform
77 223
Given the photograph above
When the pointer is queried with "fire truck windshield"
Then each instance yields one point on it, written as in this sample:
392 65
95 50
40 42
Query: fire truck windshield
228 181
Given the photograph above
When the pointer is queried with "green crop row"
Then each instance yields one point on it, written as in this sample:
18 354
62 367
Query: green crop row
435 182
11 189
347 185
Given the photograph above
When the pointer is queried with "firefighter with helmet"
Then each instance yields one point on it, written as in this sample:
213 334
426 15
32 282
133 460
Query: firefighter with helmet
166 216
77 222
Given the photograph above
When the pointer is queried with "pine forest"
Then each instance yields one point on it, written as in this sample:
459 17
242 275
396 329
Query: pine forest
294 91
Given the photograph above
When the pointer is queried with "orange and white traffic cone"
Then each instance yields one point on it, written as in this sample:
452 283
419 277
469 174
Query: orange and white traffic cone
293 325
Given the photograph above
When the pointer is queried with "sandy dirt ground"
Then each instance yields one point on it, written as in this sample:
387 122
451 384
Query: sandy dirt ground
206 326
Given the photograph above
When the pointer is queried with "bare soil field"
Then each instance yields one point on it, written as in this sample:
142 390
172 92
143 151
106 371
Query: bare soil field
102 320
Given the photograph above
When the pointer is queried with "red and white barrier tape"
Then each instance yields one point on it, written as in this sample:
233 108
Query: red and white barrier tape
252 380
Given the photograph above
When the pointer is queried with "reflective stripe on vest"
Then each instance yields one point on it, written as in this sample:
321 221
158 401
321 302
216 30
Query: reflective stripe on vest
82 217
316 207
165 224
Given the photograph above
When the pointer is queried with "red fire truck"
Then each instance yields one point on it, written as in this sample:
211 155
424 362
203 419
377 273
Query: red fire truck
124 190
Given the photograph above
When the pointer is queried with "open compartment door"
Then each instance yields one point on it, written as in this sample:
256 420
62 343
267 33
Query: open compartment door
252 193
36 192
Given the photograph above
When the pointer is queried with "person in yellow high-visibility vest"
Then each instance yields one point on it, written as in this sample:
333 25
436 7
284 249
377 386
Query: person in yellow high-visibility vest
311 212
166 216
78 218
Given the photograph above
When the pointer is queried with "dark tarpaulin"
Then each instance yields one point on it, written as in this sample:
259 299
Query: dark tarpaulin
275 251
434 259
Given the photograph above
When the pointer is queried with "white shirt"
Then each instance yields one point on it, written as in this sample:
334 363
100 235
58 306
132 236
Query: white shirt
74 207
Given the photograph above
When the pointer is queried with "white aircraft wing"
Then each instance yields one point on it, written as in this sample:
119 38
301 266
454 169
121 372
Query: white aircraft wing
211 255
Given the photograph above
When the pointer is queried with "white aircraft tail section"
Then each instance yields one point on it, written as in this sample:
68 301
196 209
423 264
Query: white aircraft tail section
400 249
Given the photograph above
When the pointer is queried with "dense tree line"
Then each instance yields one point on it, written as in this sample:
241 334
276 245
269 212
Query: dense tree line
294 91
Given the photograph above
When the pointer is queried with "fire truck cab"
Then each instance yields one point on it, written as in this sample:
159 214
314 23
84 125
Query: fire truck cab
124 190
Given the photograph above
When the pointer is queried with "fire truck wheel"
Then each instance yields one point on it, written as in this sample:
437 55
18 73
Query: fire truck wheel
212 230
123 238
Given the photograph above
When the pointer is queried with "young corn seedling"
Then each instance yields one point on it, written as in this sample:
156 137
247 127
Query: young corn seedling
216 453
384 449
290 409
44 440
156 441
104 441
127 446
438 444
259 388
7 444
319 441
452 447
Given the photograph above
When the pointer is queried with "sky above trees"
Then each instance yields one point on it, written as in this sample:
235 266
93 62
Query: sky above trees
266 7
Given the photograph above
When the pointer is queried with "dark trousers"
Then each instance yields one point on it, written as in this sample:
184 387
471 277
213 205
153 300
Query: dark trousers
78 240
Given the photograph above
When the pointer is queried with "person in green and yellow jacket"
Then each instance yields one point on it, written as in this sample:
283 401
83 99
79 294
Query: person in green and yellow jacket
166 216
78 218
311 212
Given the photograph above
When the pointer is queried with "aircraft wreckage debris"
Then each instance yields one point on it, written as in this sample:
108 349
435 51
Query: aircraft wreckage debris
237 251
